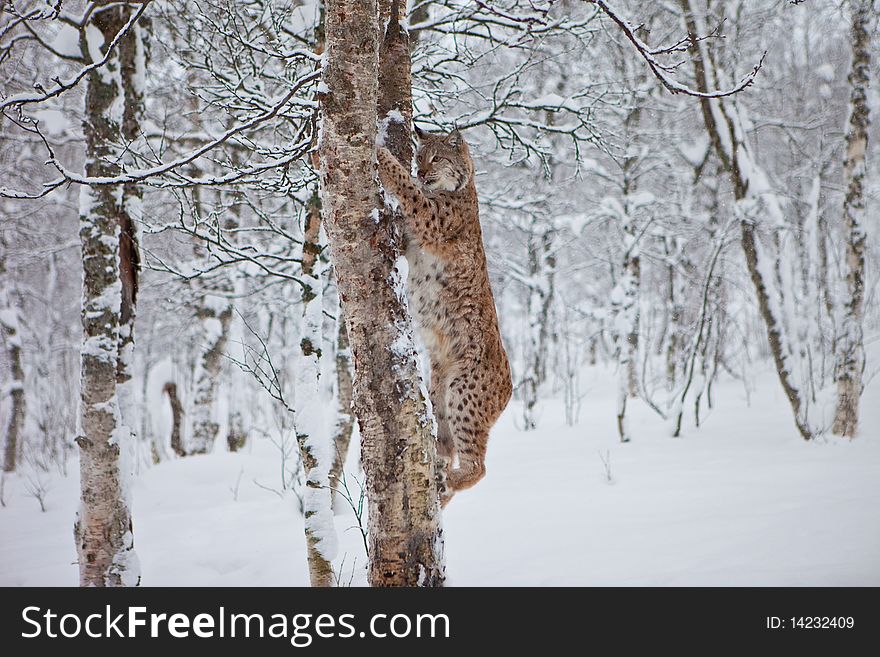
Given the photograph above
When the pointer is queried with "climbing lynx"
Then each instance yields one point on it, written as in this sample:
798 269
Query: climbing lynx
449 291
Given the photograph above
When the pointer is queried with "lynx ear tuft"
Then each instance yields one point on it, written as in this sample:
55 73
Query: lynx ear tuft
421 134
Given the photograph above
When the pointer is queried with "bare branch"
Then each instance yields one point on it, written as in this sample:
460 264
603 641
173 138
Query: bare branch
663 71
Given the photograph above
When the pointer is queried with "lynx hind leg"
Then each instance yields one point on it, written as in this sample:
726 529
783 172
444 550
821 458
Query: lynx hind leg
469 423
471 463
437 393
445 444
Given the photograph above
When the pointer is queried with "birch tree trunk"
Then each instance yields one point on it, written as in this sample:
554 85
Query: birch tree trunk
753 198
625 313
213 319
10 325
624 308
344 425
133 58
170 389
391 403
316 450
851 349
214 314
674 313
542 275
103 530
632 262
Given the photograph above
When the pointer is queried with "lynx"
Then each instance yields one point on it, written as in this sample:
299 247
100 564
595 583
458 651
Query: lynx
449 292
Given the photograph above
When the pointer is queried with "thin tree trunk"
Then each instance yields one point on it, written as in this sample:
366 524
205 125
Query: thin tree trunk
720 118
104 535
397 430
632 268
624 304
674 310
344 417
10 324
311 431
170 389
542 272
132 57
632 263
236 434
851 348
214 318
214 314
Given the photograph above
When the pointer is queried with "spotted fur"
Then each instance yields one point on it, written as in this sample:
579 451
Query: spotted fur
452 300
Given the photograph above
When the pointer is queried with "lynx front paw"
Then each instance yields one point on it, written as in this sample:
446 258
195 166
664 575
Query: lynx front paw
444 465
386 163
385 158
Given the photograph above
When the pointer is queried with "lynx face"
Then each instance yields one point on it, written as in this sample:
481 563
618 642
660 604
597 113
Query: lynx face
444 161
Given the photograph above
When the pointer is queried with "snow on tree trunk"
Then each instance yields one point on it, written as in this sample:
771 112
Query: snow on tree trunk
398 432
235 380
755 202
674 312
625 297
316 450
851 350
10 324
132 58
625 317
103 530
214 314
632 264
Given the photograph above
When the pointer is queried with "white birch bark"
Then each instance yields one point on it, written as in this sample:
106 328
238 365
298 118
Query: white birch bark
850 347
391 403
103 531
214 315
10 324
312 435
541 280
757 207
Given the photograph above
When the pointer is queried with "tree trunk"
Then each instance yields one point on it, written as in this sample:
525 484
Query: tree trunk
674 312
542 273
625 313
390 401
214 314
170 389
632 262
132 58
727 136
104 536
851 348
315 449
344 417
214 318
632 268
10 324
236 434
236 431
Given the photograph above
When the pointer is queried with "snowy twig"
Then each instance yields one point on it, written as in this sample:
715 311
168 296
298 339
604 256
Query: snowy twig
663 71
20 100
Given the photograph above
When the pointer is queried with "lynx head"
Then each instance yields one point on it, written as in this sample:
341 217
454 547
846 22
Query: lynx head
444 161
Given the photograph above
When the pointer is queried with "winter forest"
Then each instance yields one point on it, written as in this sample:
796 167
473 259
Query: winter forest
214 370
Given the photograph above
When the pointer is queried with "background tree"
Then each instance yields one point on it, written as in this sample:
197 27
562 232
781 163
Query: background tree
851 346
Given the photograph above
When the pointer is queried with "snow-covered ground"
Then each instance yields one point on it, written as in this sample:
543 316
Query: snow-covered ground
741 501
